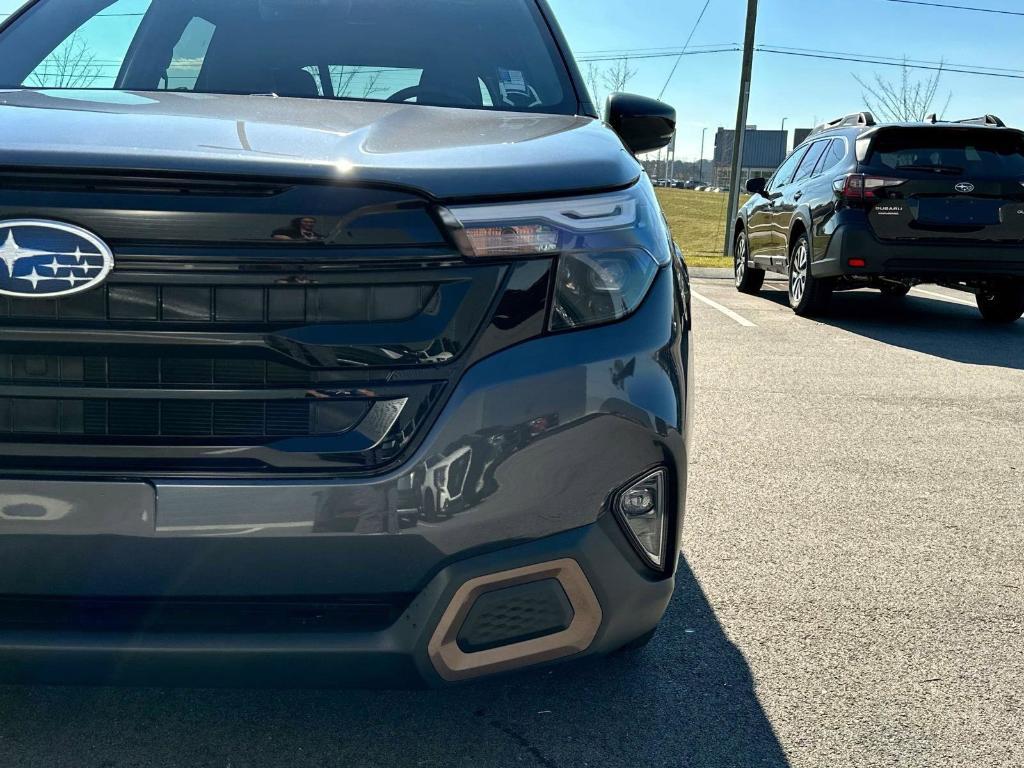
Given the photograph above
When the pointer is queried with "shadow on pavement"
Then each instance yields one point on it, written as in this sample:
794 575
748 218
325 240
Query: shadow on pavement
686 700
931 326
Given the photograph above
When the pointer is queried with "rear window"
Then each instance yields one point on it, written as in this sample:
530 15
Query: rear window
484 54
955 151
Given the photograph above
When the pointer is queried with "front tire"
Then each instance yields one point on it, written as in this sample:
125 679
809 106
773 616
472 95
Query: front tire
430 508
748 279
1002 303
808 296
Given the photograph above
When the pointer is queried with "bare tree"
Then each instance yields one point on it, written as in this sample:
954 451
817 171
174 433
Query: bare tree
617 77
593 78
906 99
608 80
349 81
71 65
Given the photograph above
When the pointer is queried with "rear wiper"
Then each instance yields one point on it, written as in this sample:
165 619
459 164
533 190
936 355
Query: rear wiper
950 169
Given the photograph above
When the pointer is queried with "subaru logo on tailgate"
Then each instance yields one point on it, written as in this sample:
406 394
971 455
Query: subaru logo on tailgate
46 259
965 187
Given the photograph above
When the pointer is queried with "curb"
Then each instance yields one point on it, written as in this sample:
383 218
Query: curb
721 273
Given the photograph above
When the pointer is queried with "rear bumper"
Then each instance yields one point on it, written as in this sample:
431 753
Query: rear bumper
536 439
938 261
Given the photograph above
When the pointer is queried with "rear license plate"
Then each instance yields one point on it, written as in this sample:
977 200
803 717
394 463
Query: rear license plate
954 212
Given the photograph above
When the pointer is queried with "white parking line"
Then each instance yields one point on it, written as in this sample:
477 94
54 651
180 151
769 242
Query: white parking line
724 310
944 297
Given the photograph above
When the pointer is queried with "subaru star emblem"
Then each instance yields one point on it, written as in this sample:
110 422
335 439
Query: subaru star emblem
47 259
965 187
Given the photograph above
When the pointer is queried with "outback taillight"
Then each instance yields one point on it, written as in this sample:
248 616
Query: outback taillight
858 187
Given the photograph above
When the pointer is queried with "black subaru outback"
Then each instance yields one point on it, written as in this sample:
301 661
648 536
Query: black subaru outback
339 339
863 205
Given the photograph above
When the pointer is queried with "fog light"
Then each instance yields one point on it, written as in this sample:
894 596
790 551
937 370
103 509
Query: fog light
642 508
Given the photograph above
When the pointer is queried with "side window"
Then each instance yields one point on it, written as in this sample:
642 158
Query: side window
835 155
784 175
189 55
92 56
811 160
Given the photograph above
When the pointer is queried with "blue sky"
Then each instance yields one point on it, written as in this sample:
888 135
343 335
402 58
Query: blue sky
705 87
802 90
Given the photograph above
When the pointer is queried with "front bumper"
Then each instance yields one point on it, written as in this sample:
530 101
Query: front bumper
632 602
537 438
911 260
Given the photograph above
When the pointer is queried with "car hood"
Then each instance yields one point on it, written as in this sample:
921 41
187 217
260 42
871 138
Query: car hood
444 153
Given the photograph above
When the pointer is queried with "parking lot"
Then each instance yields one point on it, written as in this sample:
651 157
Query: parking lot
852 592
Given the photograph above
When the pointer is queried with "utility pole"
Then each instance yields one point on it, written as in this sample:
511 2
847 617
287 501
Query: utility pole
702 154
741 123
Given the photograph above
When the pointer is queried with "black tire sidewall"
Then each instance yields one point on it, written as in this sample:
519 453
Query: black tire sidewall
753 278
817 293
1004 305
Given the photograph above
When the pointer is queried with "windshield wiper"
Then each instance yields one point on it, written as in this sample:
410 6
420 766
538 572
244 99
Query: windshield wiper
950 169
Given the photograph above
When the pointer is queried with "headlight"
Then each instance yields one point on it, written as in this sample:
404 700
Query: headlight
609 247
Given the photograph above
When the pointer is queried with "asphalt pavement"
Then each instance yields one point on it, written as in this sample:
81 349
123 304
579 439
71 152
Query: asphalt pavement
852 592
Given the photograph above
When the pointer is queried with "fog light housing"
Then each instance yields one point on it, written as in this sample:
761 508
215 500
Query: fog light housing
642 508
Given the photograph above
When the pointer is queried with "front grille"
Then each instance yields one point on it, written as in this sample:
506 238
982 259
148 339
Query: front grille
149 372
221 305
228 357
177 418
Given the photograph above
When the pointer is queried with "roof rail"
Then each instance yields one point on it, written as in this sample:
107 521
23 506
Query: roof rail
856 118
983 120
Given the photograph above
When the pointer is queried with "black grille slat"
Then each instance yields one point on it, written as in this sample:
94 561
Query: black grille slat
133 417
148 372
240 419
187 418
286 418
178 418
222 305
249 346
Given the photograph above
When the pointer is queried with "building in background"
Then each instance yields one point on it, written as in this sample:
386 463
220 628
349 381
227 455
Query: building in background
800 135
763 152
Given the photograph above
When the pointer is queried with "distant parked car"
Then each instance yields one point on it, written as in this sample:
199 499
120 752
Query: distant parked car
863 205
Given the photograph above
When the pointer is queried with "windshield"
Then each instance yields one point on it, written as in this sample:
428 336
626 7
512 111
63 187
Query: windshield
484 54
975 152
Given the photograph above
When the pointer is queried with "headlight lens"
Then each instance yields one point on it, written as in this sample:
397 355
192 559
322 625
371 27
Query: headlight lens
609 247
600 287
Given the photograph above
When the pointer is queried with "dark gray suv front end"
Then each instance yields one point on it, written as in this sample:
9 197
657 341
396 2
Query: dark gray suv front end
377 393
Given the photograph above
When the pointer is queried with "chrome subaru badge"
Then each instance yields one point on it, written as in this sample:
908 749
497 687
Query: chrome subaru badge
47 259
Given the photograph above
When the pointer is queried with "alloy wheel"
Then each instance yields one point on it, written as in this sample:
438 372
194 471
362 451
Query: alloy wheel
740 264
798 273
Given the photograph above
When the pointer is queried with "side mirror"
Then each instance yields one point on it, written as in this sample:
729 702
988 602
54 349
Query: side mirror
643 124
757 186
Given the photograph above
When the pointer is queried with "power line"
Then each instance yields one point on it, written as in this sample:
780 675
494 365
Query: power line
685 46
816 53
899 61
667 49
620 56
957 7
853 58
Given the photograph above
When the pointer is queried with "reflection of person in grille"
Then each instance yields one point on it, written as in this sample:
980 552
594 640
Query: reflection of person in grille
301 229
